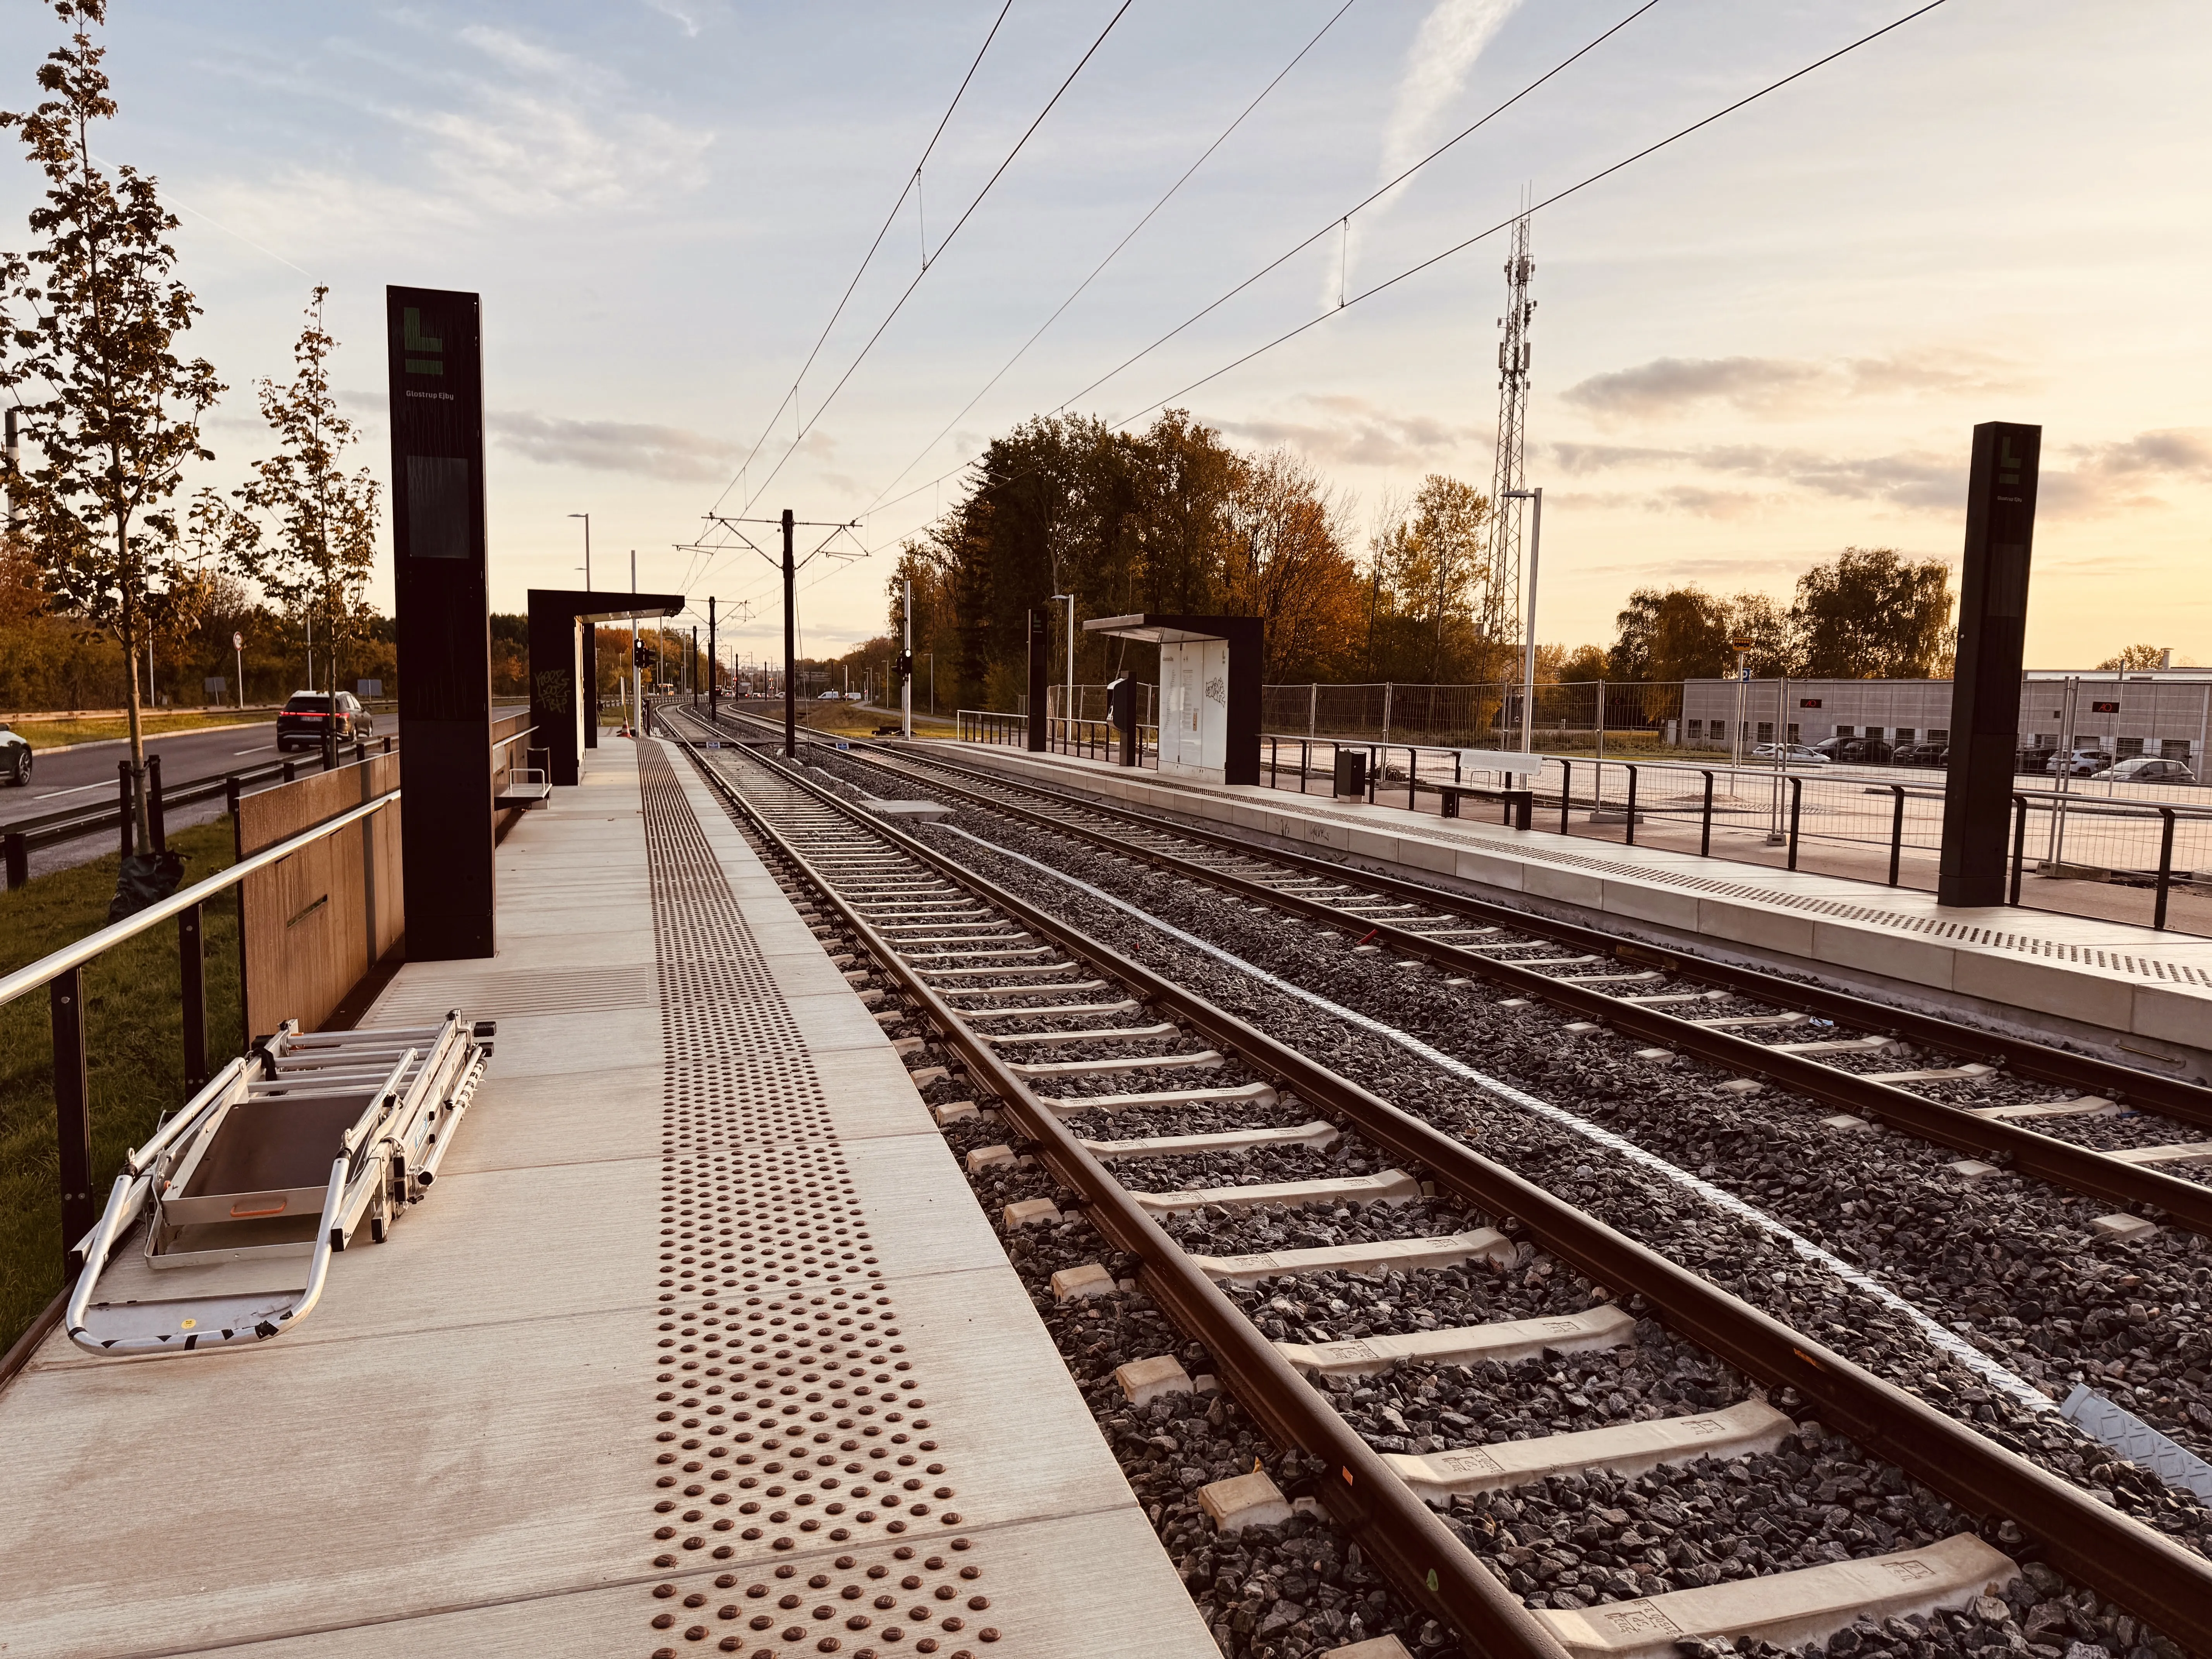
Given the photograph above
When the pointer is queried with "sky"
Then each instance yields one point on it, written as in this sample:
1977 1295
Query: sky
1765 342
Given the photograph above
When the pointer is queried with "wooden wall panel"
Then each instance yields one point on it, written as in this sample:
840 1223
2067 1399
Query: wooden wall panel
314 923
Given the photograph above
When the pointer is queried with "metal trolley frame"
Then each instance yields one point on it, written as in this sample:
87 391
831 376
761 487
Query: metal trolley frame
286 1152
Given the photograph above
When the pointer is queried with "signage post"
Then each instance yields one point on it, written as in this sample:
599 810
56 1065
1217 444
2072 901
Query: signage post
436 378
1985 685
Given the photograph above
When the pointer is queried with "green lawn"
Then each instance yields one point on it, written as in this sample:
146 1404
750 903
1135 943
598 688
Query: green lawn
136 1040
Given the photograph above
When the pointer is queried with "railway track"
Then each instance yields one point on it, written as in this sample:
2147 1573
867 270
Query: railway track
2075 1295
1522 1436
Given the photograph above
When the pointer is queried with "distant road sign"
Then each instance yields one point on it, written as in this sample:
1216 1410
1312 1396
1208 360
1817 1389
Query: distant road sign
238 641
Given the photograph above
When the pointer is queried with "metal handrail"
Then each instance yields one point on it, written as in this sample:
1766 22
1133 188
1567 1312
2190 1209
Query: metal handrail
50 967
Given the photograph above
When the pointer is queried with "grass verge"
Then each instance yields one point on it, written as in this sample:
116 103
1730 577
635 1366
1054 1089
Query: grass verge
55 734
136 1040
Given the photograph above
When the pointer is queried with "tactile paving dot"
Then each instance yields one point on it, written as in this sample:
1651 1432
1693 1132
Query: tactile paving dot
788 1416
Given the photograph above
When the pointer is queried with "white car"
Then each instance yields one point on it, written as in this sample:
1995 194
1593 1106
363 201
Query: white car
827 696
1791 754
2145 768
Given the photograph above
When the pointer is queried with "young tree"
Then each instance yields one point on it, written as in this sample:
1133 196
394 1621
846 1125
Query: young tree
304 529
1870 616
92 316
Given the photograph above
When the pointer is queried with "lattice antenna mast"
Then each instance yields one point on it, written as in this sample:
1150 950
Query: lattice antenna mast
1500 600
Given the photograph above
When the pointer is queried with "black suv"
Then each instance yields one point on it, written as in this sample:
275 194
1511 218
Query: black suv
1856 751
1922 754
308 715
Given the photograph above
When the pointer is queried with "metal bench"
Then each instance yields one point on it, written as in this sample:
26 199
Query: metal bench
1520 804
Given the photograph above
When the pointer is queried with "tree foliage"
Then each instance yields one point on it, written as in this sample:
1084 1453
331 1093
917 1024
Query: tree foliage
1866 615
303 528
88 351
1872 615
2132 659
1167 520
1426 577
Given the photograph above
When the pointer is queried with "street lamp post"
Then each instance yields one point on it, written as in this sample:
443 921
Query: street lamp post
1067 697
586 518
1528 645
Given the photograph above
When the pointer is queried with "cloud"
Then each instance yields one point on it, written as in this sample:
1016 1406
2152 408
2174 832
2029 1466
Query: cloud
1443 53
505 126
656 451
1774 386
1757 385
685 19
1908 480
2079 481
1347 431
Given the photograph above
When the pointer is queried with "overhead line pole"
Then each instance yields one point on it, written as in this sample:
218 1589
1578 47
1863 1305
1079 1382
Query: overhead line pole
790 644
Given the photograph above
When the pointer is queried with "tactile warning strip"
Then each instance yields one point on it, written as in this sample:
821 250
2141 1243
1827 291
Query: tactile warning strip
790 1438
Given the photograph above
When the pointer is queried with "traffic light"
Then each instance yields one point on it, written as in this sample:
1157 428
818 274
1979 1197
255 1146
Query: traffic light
906 665
640 654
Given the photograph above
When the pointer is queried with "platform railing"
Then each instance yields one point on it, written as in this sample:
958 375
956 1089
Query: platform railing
2101 831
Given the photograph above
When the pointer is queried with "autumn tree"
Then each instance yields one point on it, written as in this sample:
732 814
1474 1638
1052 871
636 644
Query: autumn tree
1871 615
1427 579
1285 561
93 315
303 528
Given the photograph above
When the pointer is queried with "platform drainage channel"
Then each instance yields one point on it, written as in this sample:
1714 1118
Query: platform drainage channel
798 1501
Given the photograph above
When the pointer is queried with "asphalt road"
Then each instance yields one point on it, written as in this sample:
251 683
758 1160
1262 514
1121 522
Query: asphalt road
85 776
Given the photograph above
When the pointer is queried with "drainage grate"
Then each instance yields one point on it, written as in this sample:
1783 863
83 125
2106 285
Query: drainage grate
793 1443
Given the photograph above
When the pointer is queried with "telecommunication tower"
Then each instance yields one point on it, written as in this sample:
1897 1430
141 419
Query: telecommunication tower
1500 602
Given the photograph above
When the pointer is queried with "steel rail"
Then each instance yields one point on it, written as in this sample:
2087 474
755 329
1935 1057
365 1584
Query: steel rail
2063 1163
2117 1556
1396 1529
2021 1056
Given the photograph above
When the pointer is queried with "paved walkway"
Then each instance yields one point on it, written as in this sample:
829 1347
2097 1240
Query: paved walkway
2153 990
701 1301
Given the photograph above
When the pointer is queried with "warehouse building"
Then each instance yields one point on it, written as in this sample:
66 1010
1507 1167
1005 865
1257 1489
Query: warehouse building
2166 712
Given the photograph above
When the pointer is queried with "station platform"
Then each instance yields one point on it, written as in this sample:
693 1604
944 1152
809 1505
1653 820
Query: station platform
701 1344
2135 994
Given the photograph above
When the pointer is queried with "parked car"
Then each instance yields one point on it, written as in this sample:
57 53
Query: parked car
1790 754
2084 763
830 696
2034 762
1922 754
14 756
307 715
2145 768
1856 751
